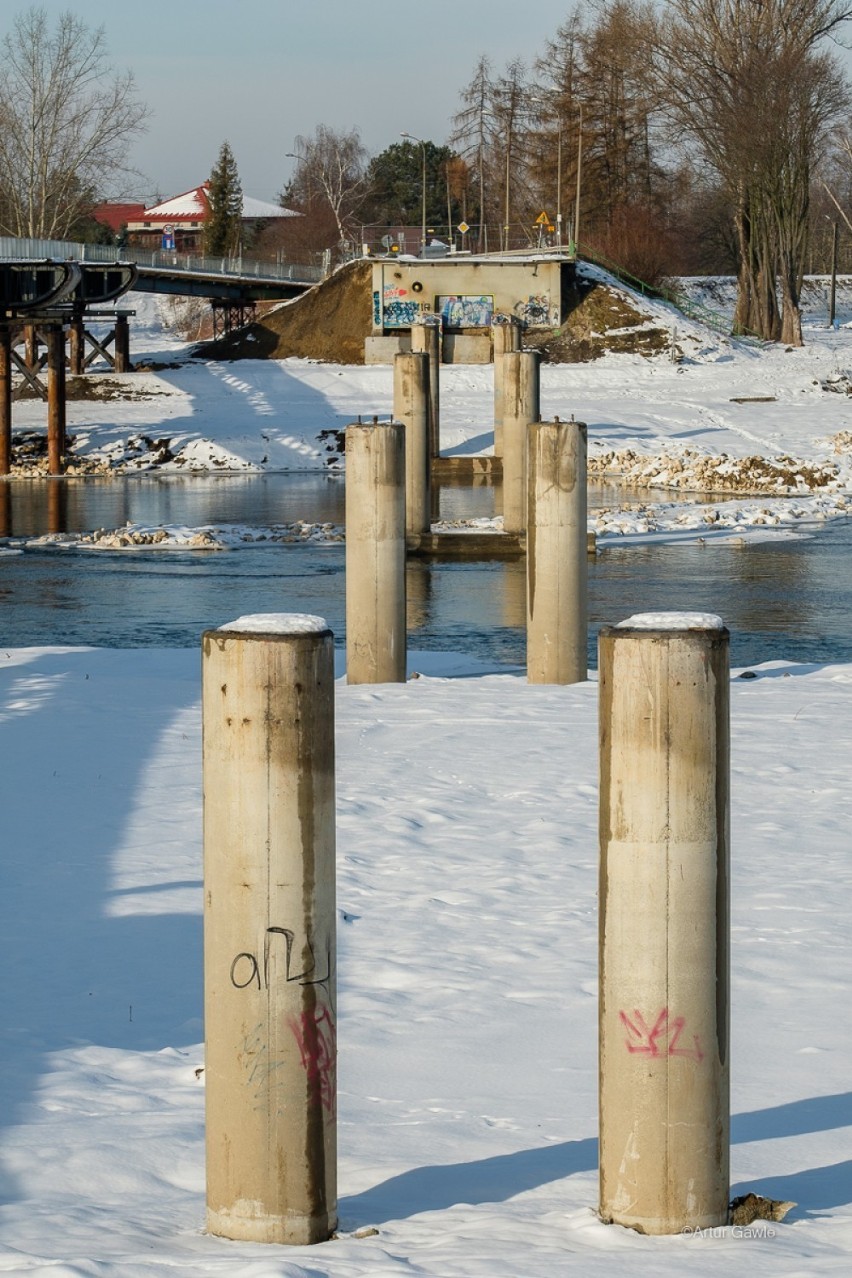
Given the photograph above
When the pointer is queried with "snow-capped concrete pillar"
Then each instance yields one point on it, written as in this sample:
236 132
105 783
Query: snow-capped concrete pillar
505 336
122 344
5 400
269 929
557 556
55 399
664 930
411 407
375 552
426 337
520 408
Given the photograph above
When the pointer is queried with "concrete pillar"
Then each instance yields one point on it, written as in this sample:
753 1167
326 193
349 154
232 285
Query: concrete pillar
55 400
5 401
122 344
505 336
375 552
269 929
520 408
426 336
76 347
557 558
664 931
410 406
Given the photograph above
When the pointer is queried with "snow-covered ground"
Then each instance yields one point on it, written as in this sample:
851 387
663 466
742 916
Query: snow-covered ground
467 872
467 854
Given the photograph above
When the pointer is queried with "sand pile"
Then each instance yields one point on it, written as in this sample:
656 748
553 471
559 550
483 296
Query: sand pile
327 323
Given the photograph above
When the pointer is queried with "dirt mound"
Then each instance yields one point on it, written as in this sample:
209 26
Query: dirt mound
599 318
328 323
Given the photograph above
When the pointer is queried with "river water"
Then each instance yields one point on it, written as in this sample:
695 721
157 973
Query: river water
788 598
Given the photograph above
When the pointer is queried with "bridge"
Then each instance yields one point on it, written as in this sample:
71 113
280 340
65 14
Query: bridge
51 288
225 279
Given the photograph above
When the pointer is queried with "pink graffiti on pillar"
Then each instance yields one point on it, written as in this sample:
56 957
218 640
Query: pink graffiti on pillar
316 1036
650 1040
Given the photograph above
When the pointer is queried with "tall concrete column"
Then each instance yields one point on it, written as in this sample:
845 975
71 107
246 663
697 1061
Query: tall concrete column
505 336
520 409
5 400
426 336
410 406
557 558
122 344
76 346
56 403
269 929
375 553
664 930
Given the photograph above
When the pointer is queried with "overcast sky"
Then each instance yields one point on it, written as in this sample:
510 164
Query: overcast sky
259 72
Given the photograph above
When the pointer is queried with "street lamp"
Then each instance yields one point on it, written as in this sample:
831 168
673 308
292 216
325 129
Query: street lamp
412 138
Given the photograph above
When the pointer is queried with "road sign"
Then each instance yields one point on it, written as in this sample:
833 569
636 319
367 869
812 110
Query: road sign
542 219
464 228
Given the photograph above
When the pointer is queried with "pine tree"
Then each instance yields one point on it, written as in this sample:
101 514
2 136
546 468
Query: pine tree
224 221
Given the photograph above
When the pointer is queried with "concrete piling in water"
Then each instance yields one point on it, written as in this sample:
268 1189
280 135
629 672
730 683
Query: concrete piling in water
426 337
557 555
664 930
56 408
505 336
520 409
375 552
269 929
410 406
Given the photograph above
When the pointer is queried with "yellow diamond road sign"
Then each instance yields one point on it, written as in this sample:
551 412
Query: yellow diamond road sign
463 227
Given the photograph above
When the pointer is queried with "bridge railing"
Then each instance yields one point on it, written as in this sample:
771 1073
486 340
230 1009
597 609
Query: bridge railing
239 267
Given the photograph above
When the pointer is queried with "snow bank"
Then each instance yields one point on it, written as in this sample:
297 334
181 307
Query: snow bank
467 855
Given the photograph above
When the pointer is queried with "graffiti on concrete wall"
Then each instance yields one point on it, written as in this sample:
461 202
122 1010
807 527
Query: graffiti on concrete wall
466 311
401 314
399 308
536 311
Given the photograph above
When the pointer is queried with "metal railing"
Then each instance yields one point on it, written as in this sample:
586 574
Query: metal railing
232 267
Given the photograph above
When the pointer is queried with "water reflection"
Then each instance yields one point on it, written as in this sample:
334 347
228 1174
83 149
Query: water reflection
82 504
788 598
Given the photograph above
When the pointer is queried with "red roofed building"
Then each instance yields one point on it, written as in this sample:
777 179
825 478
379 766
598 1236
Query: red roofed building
115 215
179 222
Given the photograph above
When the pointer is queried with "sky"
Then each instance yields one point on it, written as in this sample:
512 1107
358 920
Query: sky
261 72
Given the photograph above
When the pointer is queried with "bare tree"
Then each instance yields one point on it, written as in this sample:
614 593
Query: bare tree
66 120
473 135
330 177
748 82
